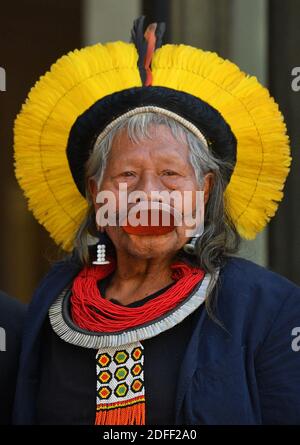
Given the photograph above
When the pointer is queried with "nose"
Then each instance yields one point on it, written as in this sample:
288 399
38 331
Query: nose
149 183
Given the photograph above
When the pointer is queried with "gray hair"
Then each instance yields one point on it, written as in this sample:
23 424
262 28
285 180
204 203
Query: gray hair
219 239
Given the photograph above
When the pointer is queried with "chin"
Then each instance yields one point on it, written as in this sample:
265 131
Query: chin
149 246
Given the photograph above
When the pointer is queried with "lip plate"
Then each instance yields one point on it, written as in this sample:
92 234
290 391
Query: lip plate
158 228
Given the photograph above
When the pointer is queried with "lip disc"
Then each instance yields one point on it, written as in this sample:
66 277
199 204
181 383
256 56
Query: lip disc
154 221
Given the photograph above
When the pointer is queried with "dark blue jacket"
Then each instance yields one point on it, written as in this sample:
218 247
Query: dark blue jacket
246 372
12 314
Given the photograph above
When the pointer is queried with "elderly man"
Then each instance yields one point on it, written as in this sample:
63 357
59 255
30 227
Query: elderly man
148 321
11 321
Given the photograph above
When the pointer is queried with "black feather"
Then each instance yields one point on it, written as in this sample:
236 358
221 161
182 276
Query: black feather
159 32
137 37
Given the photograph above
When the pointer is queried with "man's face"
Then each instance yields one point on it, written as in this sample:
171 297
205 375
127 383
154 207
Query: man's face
160 163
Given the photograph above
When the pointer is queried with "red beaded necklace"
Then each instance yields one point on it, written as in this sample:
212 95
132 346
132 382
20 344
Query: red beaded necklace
94 313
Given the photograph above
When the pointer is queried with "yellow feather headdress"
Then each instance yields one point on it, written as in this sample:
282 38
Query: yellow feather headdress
83 77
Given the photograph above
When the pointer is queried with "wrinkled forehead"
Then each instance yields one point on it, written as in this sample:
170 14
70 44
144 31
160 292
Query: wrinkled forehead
156 141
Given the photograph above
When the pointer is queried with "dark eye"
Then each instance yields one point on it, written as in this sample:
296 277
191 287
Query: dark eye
169 173
127 173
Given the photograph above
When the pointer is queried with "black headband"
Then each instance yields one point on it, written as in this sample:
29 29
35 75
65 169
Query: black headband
93 121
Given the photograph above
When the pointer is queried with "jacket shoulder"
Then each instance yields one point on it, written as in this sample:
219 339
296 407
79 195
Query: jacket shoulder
249 275
251 297
12 311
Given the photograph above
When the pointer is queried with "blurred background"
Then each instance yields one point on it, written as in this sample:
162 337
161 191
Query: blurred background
261 36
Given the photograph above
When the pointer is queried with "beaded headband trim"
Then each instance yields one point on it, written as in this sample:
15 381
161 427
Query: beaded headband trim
153 109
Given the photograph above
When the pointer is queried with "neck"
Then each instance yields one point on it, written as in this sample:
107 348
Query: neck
135 278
